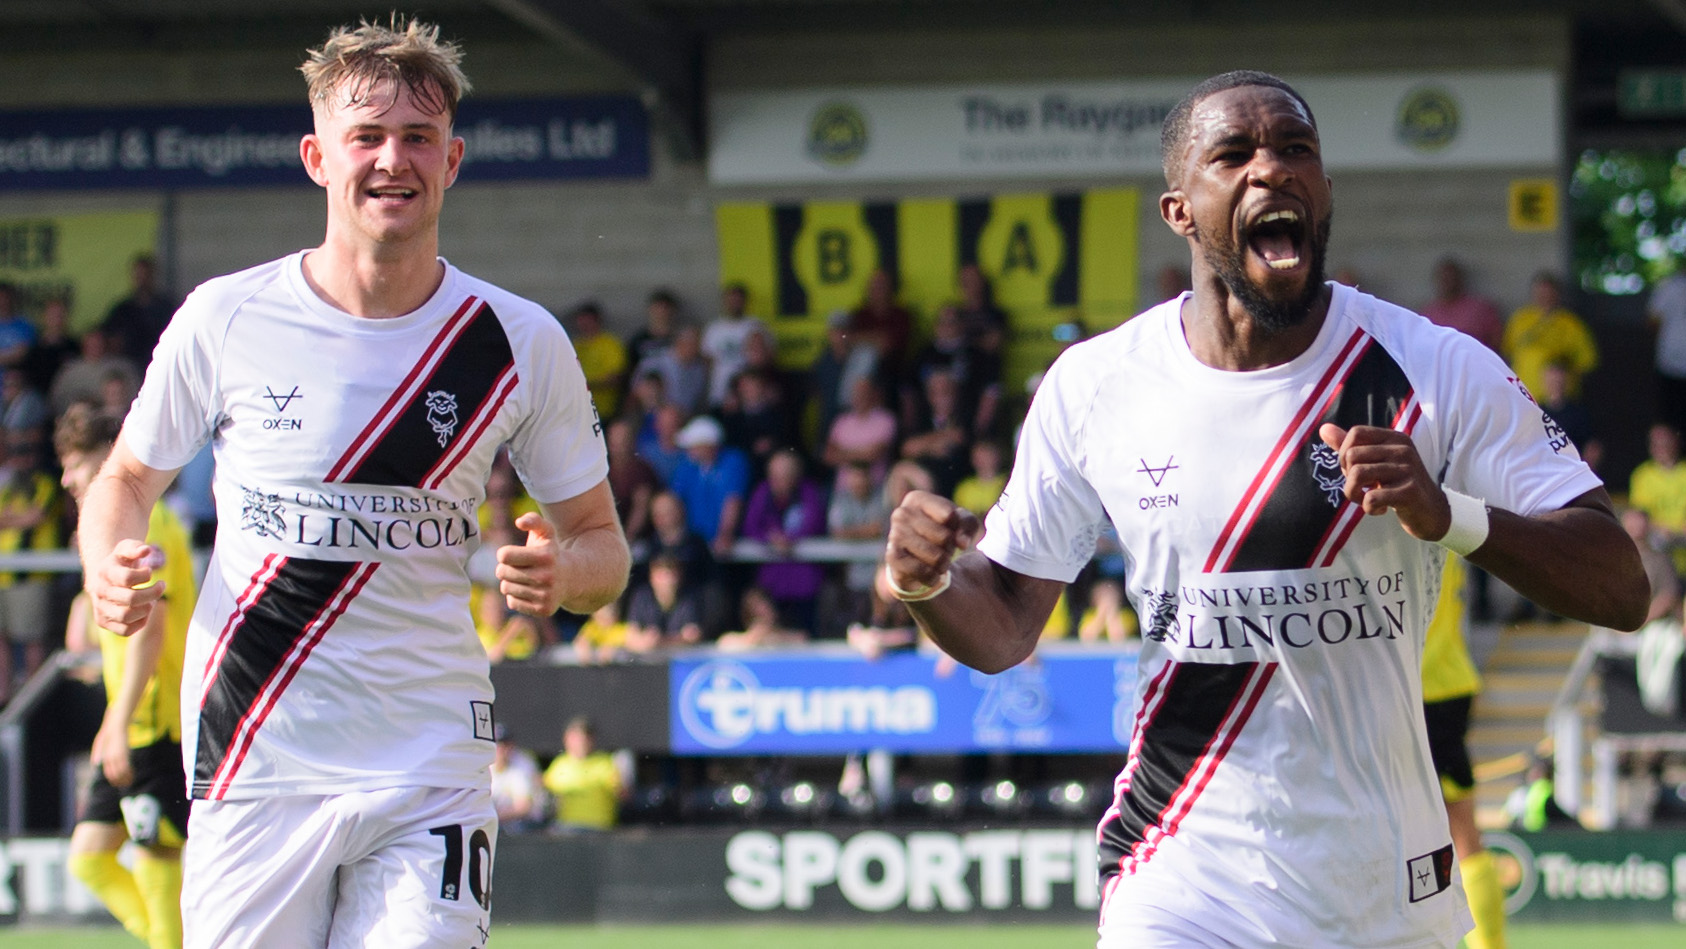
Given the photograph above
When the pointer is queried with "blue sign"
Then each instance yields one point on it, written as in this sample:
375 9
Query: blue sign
224 146
1075 700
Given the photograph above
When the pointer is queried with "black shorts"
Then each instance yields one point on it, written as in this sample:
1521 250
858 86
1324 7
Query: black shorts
1448 726
158 773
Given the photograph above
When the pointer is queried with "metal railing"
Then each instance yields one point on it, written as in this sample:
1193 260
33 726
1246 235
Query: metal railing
1567 726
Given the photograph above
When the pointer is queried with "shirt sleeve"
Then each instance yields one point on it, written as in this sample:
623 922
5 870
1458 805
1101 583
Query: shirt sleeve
1046 521
1500 445
178 407
558 449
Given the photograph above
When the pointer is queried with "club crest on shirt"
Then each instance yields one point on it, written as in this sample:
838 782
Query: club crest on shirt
442 414
1326 468
261 512
1162 614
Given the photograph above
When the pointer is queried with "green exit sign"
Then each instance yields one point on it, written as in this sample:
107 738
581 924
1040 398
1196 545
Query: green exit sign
1649 93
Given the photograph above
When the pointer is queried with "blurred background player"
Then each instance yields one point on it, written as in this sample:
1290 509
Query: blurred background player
585 782
1450 684
138 791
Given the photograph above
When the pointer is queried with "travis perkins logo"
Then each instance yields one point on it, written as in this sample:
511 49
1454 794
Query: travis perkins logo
1272 618
442 414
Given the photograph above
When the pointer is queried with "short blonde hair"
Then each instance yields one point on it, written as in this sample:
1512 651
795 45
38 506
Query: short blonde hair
406 53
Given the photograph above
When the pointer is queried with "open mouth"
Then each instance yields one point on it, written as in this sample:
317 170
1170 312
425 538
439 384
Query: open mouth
1277 237
391 195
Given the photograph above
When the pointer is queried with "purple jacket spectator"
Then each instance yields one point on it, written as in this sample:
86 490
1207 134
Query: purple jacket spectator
786 508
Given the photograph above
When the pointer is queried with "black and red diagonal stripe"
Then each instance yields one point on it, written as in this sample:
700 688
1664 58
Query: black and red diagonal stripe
265 647
1296 518
1203 708
473 362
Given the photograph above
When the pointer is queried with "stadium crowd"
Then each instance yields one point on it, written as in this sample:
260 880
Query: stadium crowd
713 442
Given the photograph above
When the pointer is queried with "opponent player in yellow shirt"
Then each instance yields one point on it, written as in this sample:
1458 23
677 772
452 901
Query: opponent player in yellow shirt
139 791
1450 684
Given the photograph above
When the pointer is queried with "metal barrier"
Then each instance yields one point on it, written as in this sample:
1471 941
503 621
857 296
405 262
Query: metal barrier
1567 725
23 752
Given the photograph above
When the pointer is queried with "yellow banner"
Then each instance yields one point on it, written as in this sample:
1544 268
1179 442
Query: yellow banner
83 257
1051 258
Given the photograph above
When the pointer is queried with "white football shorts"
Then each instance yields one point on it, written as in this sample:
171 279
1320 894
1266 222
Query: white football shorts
395 868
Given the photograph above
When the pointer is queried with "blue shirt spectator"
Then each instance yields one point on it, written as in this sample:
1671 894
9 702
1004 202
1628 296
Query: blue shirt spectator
712 481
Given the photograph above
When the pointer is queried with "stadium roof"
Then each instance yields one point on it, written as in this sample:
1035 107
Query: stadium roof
658 45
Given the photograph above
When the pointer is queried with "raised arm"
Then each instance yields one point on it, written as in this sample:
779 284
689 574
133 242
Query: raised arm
988 617
575 557
1575 561
112 536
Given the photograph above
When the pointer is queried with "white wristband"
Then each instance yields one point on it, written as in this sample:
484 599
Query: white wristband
1469 524
917 596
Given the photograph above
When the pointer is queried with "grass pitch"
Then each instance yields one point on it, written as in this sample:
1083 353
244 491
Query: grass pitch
852 937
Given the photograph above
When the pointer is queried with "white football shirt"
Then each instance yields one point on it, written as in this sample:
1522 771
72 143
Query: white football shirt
332 648
1278 786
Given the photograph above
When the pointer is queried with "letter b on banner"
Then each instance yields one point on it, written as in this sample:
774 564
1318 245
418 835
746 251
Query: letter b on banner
833 255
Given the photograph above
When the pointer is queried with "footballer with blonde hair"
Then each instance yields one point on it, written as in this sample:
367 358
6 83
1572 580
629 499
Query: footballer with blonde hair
337 727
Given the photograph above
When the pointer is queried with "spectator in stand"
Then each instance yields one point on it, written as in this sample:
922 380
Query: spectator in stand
683 369
1658 487
660 448
978 374
832 376
1569 413
631 478
1107 618
905 476
940 438
517 787
671 536
82 379
712 480
31 515
887 626
1665 586
16 332
979 491
1542 332
660 329
866 432
1456 307
1172 281
762 627
602 357
663 613
504 633
647 393
883 324
784 509
136 321
1666 310
725 338
756 418
857 512
983 323
761 354
117 392
585 782
24 414
52 348
603 636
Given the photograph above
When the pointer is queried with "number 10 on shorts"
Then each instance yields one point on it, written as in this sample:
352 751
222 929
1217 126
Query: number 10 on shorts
479 865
